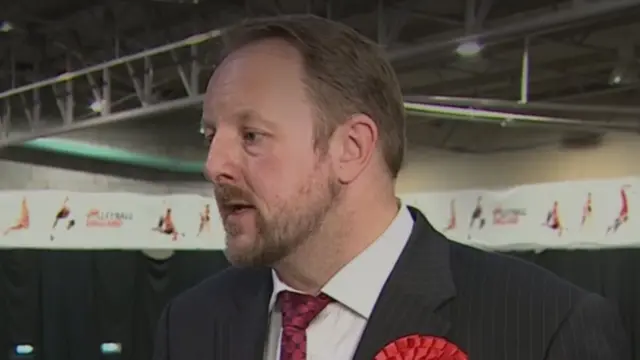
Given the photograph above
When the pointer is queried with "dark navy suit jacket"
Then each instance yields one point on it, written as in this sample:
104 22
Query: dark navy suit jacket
492 306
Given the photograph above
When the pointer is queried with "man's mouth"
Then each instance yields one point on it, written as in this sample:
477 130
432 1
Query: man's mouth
236 208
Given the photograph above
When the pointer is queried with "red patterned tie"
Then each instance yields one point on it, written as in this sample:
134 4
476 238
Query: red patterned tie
298 310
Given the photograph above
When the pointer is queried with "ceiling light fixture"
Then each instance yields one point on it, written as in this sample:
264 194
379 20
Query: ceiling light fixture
97 106
5 26
469 48
627 69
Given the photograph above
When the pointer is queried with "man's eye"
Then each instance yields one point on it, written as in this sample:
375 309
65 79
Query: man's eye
251 136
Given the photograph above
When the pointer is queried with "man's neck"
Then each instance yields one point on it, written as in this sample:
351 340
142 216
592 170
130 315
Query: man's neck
344 236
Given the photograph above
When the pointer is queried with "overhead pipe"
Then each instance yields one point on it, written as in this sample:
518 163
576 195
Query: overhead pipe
535 25
507 119
597 127
498 104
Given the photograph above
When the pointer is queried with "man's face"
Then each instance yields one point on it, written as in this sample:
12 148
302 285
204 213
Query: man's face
272 186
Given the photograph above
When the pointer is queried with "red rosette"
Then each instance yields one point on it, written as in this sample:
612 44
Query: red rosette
417 347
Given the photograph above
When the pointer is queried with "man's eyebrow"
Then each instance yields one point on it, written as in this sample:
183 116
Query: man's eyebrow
247 116
242 117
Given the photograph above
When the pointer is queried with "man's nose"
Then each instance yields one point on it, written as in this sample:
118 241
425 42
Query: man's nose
221 165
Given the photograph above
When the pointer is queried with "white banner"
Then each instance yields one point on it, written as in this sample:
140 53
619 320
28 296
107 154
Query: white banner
588 214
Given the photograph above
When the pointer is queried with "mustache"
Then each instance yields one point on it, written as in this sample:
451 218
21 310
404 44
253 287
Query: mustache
231 193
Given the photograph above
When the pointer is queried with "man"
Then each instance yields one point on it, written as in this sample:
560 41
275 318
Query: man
307 135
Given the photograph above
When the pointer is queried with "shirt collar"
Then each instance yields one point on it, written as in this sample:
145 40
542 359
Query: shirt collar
358 284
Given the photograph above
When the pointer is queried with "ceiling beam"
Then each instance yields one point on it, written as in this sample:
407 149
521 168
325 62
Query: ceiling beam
517 28
508 72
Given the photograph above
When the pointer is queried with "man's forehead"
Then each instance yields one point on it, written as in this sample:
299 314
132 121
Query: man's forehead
240 114
252 59
243 76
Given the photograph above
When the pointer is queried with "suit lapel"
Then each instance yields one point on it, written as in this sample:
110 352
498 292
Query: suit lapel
412 299
248 326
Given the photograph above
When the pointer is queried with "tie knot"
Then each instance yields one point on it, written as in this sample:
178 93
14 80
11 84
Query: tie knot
298 310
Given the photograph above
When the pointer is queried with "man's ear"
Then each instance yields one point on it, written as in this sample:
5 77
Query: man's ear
355 143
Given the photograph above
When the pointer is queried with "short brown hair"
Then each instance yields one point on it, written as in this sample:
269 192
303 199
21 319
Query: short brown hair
345 74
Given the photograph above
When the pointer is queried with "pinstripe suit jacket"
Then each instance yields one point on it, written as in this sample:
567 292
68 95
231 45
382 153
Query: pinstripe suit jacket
492 306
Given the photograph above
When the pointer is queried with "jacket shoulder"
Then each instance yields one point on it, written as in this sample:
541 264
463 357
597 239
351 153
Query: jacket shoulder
518 301
511 276
505 300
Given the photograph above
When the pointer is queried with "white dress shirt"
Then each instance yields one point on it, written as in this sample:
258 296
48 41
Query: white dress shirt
335 333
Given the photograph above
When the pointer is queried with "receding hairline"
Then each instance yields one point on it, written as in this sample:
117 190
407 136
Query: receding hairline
283 26
275 45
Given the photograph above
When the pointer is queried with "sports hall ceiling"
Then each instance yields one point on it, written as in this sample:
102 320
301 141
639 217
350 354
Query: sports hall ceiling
577 54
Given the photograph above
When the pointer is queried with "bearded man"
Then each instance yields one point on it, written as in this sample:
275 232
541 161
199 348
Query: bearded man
306 126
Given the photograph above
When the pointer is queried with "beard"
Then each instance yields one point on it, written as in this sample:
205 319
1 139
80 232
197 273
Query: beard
284 228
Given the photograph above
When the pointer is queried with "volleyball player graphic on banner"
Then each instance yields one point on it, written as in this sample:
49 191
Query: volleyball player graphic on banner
166 225
63 215
452 216
587 211
553 220
623 215
205 220
477 217
23 221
